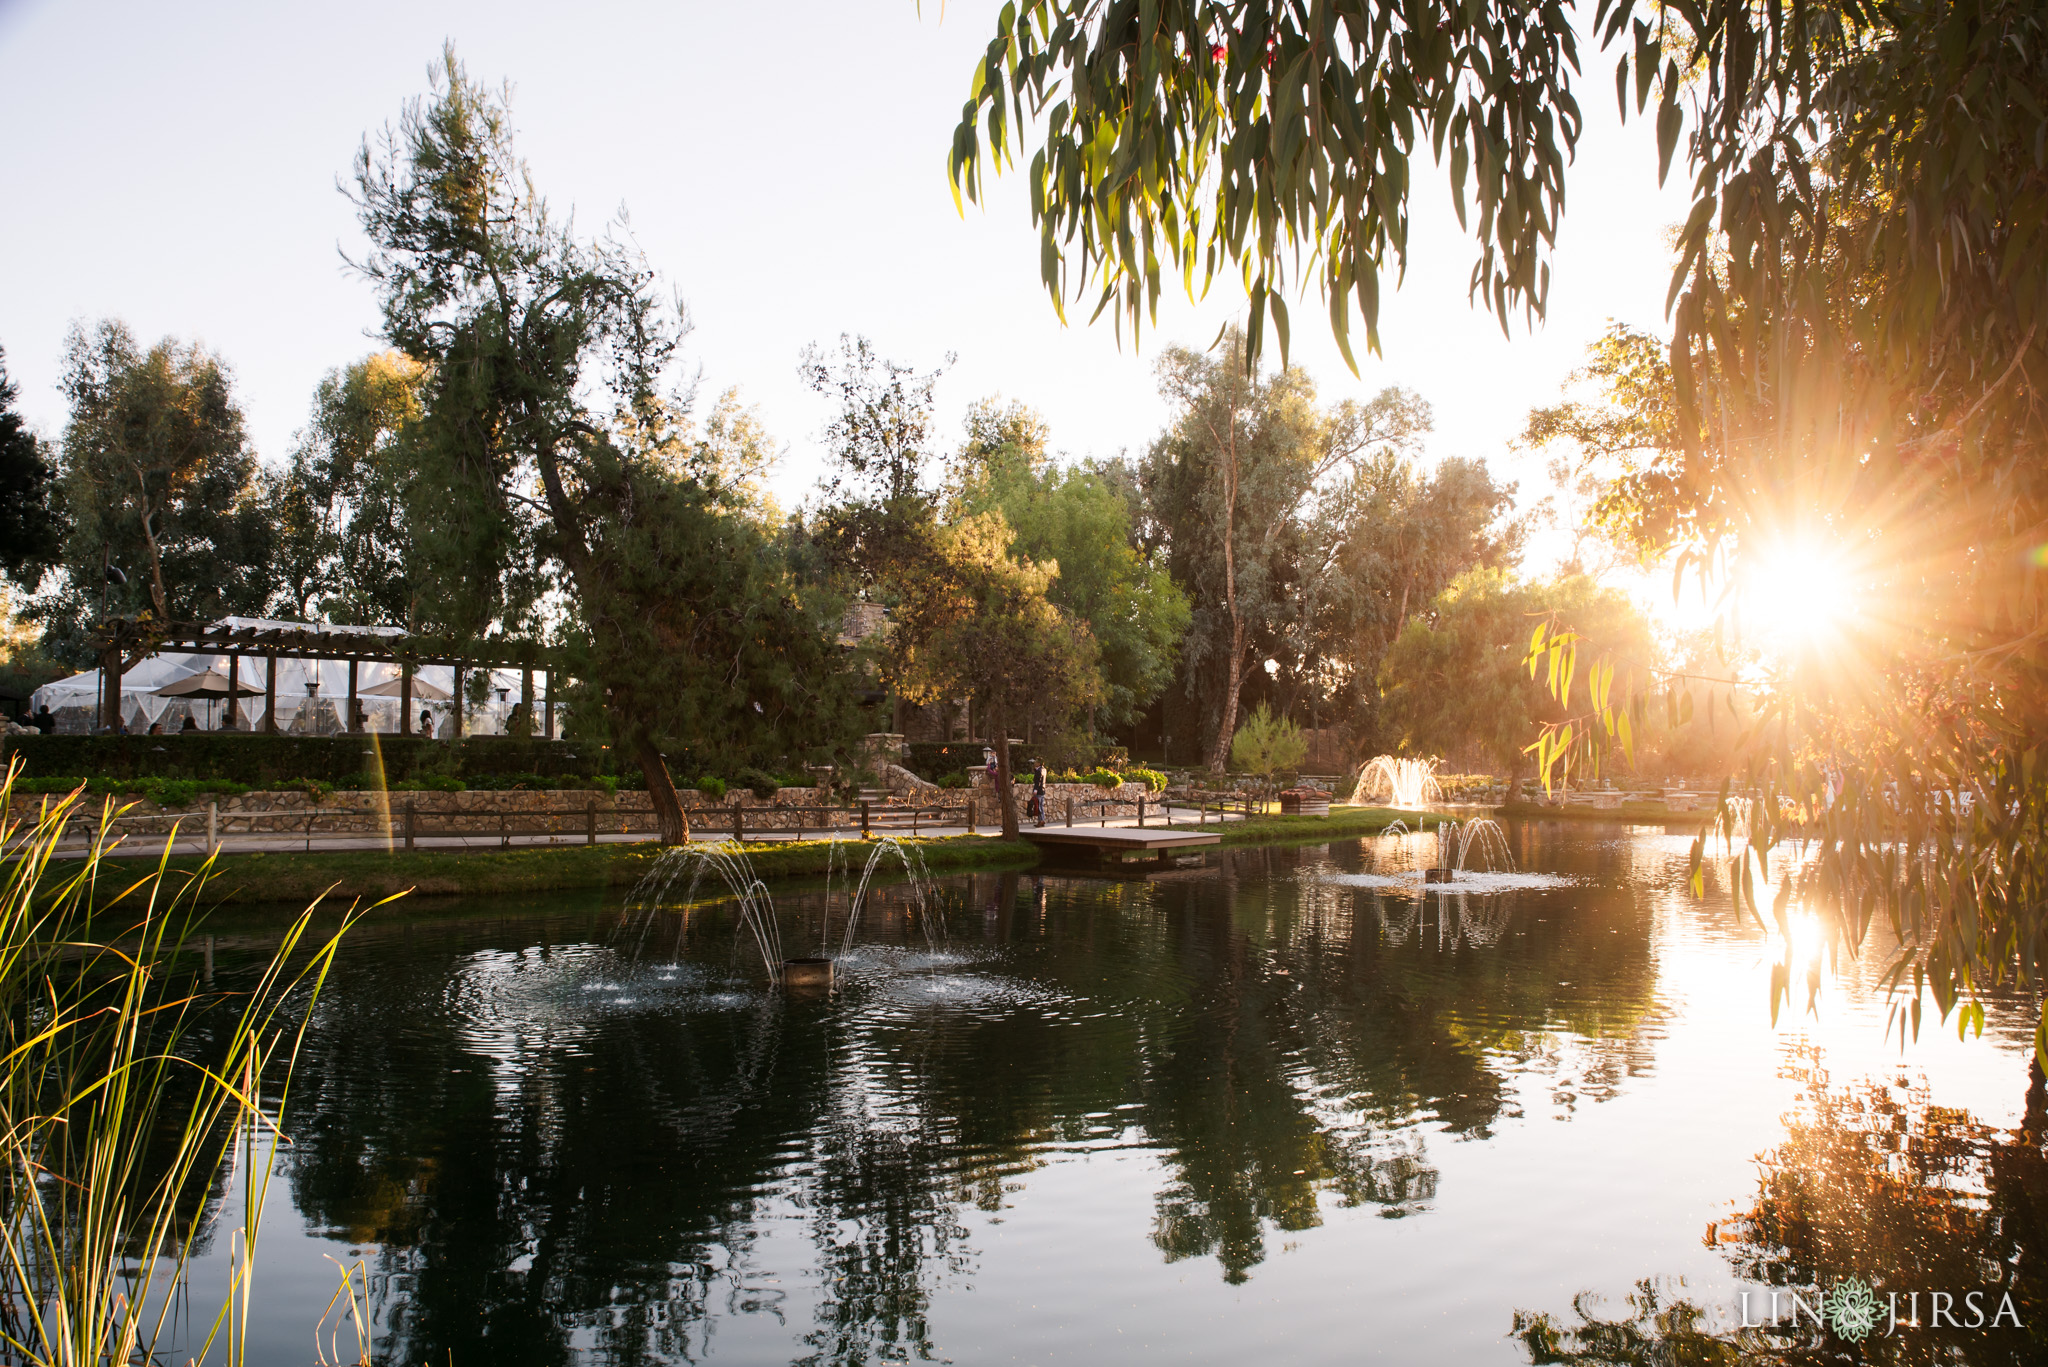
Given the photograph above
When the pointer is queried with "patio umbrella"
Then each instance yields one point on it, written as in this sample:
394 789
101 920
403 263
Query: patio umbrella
208 684
391 688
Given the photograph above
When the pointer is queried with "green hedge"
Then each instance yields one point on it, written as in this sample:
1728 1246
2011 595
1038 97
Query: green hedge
263 761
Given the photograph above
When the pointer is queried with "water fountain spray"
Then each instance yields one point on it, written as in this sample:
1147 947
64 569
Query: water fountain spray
1409 783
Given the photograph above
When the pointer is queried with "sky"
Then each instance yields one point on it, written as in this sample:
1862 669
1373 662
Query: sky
177 167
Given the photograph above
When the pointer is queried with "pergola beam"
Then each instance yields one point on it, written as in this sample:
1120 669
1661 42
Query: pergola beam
289 644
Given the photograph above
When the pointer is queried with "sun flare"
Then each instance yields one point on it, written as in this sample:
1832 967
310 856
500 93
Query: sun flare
1795 594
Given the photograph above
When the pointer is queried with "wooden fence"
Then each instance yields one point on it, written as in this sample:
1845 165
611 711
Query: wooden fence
405 826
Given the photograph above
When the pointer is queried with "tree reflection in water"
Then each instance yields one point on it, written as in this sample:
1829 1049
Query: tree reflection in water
553 1172
1874 1182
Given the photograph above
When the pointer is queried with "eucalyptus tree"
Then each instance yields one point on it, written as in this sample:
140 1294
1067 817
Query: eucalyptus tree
345 528
1383 545
160 483
1233 481
553 451
1190 139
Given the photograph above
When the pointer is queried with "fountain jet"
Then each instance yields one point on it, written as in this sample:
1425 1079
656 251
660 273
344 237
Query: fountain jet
1409 783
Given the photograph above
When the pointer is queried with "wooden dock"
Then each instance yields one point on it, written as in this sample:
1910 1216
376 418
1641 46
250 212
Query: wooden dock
1121 845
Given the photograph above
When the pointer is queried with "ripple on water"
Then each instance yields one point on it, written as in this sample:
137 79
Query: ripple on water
894 979
508 1004
1467 880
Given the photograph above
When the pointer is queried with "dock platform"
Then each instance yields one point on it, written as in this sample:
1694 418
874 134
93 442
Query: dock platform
1119 844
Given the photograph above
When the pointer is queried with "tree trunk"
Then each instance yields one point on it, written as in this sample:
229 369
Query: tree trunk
669 818
1219 753
1006 791
1233 687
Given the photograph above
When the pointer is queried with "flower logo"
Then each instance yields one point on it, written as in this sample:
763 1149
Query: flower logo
1853 1308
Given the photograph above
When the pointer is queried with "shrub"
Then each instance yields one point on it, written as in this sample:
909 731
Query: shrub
261 761
956 779
1103 778
165 792
1151 778
712 788
433 783
763 786
175 792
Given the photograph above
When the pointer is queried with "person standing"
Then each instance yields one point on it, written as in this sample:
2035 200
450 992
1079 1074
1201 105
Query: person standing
1038 791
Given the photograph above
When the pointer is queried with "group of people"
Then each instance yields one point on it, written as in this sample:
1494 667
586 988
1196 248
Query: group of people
1036 809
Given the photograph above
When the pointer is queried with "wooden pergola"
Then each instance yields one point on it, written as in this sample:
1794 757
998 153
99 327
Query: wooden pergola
120 640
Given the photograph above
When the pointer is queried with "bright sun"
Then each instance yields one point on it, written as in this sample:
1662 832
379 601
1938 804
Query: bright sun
1794 594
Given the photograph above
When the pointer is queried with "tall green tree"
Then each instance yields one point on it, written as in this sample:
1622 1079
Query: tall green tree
1075 518
161 484
558 453
1233 481
1382 547
32 517
1455 680
342 506
975 621
879 506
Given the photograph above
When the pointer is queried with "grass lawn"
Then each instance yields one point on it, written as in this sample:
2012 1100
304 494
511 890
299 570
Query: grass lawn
284 876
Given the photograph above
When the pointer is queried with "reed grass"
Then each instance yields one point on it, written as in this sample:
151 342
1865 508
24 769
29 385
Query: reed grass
130 1091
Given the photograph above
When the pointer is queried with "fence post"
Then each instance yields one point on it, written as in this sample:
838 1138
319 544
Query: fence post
1070 809
408 824
863 818
213 826
970 816
1141 811
739 827
590 821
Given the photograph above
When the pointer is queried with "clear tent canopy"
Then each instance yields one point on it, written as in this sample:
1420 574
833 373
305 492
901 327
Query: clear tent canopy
312 693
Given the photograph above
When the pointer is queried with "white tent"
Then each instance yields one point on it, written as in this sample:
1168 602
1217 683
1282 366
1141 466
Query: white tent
75 700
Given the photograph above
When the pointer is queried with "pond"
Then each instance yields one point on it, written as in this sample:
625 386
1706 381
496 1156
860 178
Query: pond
1284 1107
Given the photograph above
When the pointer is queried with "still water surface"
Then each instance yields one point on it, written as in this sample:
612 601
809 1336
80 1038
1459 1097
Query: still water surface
1284 1108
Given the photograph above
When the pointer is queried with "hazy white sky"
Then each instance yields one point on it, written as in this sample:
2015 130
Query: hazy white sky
784 167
